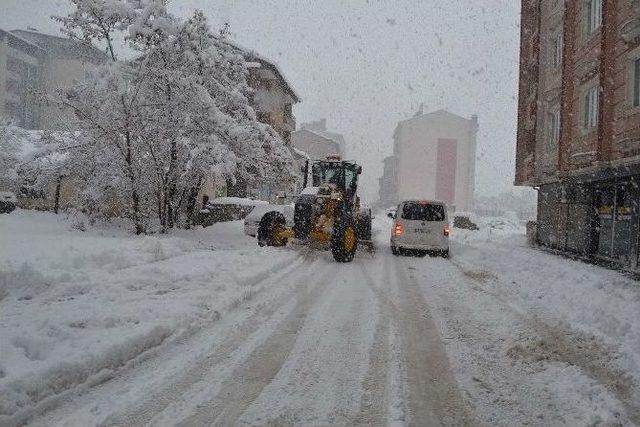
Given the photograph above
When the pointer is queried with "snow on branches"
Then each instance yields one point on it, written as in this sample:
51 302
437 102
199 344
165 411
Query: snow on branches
155 127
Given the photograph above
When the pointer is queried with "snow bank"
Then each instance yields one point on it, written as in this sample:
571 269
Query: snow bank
569 331
76 305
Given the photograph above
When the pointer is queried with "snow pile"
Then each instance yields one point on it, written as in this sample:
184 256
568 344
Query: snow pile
490 229
77 306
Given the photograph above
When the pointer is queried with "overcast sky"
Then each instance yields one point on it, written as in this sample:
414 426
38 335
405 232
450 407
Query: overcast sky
365 64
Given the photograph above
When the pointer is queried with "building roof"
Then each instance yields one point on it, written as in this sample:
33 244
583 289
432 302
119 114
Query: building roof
62 47
255 58
315 133
433 115
22 43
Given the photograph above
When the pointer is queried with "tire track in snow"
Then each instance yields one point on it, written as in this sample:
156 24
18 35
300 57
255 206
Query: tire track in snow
249 379
140 412
433 391
320 383
383 394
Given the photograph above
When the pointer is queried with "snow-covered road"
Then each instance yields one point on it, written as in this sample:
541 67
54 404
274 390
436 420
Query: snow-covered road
500 334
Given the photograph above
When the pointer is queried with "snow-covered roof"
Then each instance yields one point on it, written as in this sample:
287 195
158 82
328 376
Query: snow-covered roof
440 112
318 134
300 152
61 47
254 58
36 50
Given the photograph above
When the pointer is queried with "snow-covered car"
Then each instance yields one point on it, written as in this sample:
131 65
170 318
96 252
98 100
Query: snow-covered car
421 225
8 202
223 209
252 221
390 212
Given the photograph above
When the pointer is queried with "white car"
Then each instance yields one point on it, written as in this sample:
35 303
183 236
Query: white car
421 225
252 221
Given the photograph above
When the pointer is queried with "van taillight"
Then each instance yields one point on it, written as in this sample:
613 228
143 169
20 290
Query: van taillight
446 231
398 229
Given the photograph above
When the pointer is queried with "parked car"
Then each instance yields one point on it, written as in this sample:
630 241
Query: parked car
222 209
252 221
8 202
422 226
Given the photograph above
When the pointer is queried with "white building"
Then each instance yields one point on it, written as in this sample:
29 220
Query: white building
434 159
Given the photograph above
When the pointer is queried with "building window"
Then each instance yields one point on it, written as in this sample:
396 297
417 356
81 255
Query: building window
554 126
636 83
556 53
594 15
591 108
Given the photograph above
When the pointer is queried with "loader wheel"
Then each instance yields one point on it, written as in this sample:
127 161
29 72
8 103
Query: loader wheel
364 227
344 241
270 224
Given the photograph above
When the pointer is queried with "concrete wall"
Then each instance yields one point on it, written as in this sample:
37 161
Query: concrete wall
416 143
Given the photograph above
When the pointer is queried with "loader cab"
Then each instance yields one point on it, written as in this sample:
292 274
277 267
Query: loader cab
343 175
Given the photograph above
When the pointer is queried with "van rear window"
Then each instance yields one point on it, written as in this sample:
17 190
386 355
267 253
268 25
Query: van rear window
423 212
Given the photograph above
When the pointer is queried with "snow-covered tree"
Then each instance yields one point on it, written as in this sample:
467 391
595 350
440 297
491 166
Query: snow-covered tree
10 153
153 128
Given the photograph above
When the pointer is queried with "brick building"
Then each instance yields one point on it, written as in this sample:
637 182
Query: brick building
579 124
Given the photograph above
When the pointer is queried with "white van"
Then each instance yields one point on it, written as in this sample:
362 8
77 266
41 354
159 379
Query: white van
421 225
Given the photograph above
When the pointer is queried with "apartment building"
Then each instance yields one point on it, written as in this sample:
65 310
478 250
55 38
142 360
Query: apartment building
578 137
21 64
434 158
387 188
273 100
34 64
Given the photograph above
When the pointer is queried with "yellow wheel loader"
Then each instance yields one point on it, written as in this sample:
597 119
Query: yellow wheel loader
327 213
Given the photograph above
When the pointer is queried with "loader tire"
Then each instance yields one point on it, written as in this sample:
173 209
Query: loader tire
270 223
344 240
364 227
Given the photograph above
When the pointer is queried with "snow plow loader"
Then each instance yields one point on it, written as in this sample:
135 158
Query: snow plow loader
327 213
